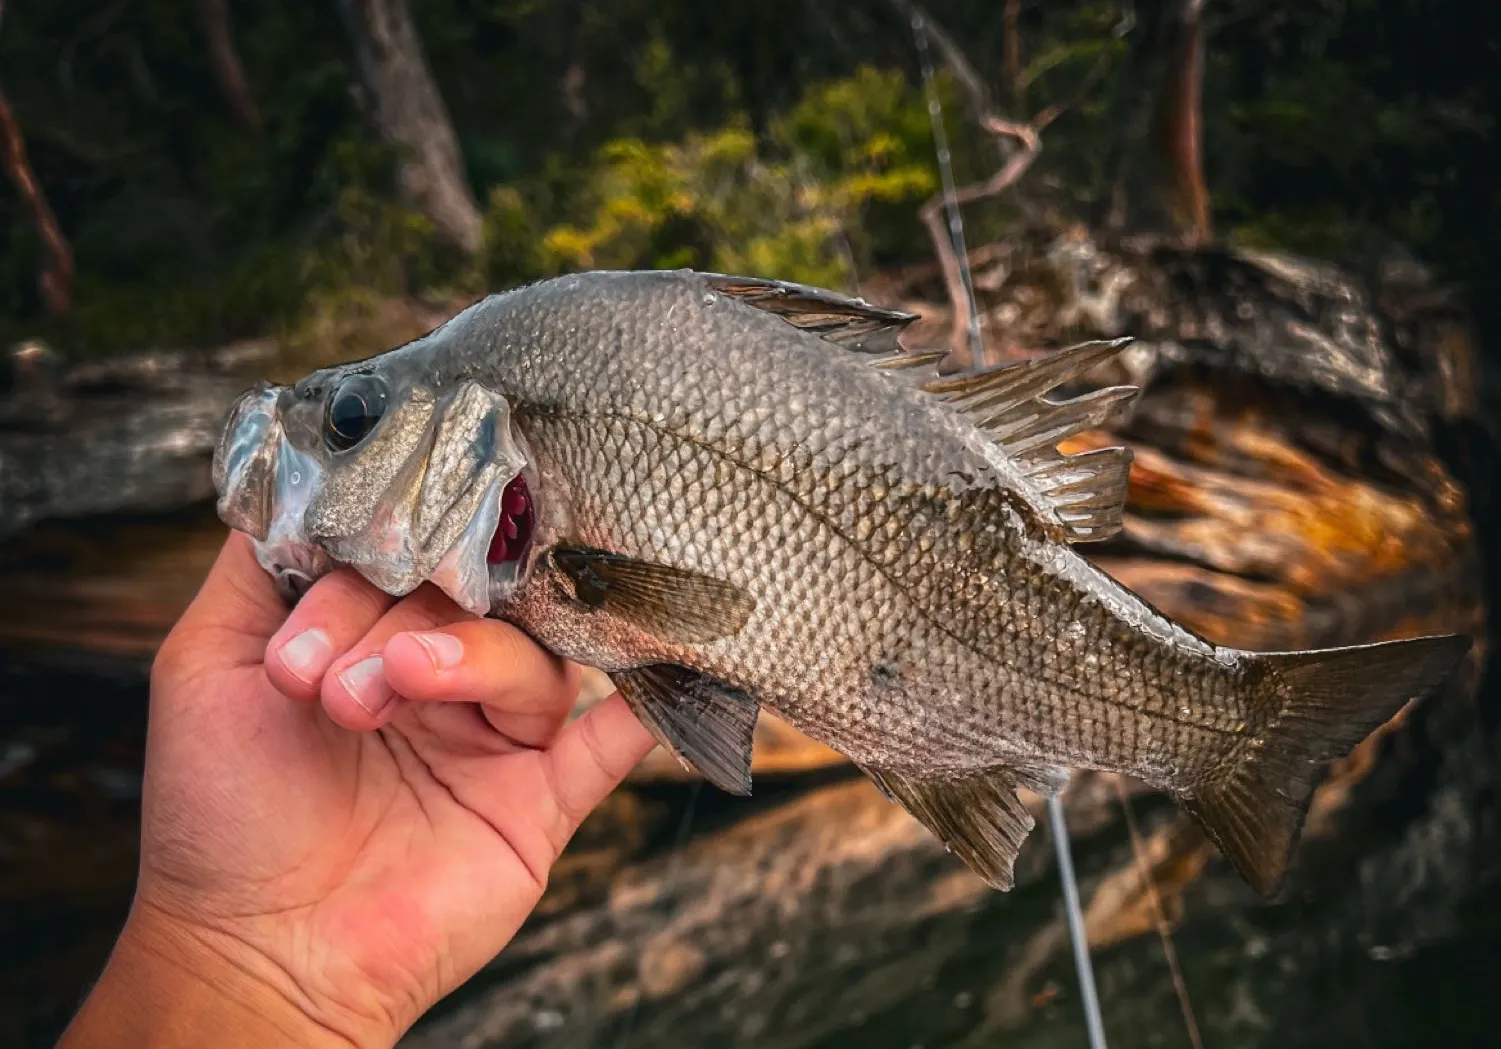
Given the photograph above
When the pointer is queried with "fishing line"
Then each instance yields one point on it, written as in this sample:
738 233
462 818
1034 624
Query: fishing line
669 885
1075 914
1092 1019
950 190
1143 863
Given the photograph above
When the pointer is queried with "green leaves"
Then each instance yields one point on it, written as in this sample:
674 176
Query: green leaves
794 205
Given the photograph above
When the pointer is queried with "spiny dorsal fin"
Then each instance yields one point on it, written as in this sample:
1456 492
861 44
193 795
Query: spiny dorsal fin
904 361
707 726
1007 403
852 323
1017 383
1087 491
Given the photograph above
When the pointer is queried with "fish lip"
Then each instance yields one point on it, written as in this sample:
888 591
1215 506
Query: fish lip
244 460
292 584
284 550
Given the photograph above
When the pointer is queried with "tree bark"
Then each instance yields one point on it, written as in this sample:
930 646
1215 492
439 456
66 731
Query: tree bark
56 279
227 67
409 113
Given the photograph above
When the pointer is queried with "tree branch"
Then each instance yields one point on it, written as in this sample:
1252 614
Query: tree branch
231 74
1011 50
1025 139
56 279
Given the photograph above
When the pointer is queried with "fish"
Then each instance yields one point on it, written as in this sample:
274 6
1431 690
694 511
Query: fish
732 494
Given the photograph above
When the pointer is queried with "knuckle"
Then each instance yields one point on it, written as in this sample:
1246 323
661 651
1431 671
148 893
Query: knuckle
347 588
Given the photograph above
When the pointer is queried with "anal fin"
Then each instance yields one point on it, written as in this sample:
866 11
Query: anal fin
978 818
707 726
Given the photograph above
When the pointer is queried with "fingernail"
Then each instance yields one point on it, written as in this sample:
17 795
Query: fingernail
365 682
307 655
444 650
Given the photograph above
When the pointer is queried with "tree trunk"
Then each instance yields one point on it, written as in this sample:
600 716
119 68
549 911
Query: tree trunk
408 112
1180 126
227 67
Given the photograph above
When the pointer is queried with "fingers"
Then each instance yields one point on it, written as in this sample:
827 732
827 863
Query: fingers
332 617
525 691
590 758
354 690
360 652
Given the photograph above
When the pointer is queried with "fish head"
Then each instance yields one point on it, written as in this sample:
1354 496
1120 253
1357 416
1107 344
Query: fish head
389 466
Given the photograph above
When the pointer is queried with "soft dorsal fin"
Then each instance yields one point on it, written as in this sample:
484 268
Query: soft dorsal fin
852 323
1086 491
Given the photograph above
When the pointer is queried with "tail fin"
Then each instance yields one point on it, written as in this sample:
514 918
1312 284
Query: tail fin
1318 706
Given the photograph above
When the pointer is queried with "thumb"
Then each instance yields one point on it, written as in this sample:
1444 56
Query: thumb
234 614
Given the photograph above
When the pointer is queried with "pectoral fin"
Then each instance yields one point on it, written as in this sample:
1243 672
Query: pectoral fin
978 818
707 726
673 604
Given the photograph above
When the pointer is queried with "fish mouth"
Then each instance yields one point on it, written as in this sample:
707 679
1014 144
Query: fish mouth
284 551
518 521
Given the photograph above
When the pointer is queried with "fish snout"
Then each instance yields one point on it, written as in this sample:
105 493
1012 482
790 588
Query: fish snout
264 486
245 459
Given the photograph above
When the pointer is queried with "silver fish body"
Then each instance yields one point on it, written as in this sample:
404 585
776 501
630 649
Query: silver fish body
734 494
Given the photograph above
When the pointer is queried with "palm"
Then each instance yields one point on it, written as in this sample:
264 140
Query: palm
397 860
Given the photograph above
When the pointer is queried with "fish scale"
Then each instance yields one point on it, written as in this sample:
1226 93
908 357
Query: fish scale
747 495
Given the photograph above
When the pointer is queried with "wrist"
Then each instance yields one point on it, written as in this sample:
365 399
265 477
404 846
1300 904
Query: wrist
168 985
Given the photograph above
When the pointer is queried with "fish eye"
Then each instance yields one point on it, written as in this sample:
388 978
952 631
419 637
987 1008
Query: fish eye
354 408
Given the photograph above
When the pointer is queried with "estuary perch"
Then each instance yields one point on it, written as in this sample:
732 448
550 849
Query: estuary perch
730 493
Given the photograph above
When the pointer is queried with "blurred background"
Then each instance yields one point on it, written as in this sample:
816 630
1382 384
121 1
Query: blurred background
1293 207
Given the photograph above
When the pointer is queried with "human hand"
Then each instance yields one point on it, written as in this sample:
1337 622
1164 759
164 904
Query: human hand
348 810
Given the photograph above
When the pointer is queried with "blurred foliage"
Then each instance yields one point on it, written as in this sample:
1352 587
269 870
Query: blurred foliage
829 189
787 138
